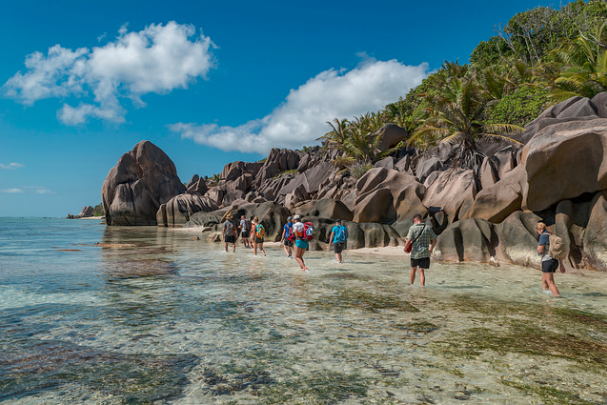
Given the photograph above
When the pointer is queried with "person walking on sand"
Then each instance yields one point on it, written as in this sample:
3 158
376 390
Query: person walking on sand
229 233
245 230
258 233
339 238
549 264
300 243
422 240
287 237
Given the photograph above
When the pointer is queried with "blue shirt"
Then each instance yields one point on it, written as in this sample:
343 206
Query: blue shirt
288 229
545 241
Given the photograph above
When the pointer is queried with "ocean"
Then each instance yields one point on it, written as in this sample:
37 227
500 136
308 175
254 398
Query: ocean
91 314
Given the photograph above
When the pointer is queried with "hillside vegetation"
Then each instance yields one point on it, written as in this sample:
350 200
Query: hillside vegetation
541 57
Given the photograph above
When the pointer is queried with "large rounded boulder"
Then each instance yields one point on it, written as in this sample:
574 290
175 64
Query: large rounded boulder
142 180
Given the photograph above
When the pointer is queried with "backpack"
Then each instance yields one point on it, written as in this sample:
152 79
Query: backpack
230 228
308 231
247 226
556 249
341 234
260 231
289 234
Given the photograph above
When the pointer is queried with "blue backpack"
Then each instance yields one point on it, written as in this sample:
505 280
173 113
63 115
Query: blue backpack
341 234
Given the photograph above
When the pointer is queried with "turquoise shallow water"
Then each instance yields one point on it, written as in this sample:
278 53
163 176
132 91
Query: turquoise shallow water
152 316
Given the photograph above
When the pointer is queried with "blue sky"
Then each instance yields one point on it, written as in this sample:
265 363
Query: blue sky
207 82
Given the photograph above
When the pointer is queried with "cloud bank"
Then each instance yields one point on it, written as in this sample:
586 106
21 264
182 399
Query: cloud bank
157 59
302 117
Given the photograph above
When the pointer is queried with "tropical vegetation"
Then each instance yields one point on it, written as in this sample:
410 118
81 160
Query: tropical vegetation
541 57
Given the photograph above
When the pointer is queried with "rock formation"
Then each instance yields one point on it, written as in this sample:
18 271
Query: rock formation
557 173
142 180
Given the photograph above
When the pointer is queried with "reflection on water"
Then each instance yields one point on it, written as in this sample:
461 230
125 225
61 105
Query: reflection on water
154 316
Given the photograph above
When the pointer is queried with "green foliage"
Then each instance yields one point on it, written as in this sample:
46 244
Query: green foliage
457 110
98 210
521 107
531 35
214 179
358 170
286 172
540 57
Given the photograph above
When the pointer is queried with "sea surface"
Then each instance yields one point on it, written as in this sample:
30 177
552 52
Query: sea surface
91 314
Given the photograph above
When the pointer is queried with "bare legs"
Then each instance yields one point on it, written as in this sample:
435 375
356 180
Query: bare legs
548 283
288 250
255 244
299 257
422 276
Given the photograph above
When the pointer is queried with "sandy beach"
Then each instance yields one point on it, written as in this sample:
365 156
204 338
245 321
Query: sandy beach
376 251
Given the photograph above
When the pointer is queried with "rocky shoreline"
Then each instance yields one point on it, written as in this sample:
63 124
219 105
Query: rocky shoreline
556 173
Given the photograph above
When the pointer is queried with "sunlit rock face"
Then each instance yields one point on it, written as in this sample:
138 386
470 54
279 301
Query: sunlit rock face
142 180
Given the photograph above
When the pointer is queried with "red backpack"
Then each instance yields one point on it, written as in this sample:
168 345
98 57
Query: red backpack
308 231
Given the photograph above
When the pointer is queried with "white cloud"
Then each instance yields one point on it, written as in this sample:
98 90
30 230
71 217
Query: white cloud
157 59
11 166
28 189
302 117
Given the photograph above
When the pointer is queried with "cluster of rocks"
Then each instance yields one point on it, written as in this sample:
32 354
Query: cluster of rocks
556 174
87 212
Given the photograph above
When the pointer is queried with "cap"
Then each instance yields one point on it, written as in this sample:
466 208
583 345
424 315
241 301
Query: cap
338 220
290 218
297 216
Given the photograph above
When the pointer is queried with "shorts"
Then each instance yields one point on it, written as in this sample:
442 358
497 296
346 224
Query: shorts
338 247
230 239
288 243
422 263
550 266
258 240
244 234
301 244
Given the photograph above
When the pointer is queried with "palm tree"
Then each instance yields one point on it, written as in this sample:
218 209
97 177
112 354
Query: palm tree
456 116
584 62
397 113
337 136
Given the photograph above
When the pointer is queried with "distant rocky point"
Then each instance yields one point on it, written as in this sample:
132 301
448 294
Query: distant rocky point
558 174
86 212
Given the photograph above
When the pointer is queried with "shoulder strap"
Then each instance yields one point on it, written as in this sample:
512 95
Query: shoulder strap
420 234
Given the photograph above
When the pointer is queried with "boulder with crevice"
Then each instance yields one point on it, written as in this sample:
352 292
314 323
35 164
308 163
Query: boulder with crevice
179 209
142 180
496 202
565 161
595 242
385 196
453 191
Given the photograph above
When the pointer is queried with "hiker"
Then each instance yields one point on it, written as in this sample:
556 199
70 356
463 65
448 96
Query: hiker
549 263
229 233
245 230
339 237
422 240
258 233
288 237
303 234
